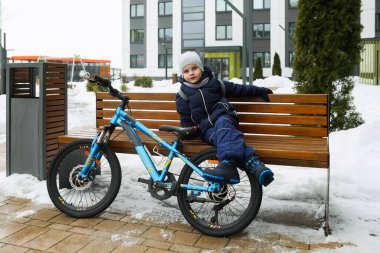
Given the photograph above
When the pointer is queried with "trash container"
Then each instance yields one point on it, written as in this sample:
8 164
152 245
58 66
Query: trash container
36 114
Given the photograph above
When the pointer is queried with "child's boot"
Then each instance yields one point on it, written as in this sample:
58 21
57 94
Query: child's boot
258 168
225 171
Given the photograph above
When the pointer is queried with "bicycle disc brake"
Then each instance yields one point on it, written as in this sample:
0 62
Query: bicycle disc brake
75 181
163 190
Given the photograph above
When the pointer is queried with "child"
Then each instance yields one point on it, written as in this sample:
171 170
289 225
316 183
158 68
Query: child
202 103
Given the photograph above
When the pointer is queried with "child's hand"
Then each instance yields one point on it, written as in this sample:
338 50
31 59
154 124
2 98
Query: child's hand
264 93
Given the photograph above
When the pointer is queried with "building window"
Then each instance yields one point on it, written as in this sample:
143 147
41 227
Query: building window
161 61
222 6
137 61
223 32
261 4
165 34
265 58
293 3
137 10
137 36
261 31
291 29
165 9
292 55
193 25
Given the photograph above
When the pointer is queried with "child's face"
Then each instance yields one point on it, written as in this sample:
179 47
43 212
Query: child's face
192 73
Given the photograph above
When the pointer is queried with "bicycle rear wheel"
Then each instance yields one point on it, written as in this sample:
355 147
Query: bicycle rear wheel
218 214
78 198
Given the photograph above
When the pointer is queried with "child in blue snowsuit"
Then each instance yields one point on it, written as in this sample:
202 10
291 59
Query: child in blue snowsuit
204 106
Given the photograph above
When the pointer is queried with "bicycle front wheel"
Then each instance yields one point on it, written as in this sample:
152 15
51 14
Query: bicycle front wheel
218 214
83 198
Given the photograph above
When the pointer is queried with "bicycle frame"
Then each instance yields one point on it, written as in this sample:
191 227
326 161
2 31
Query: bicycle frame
130 125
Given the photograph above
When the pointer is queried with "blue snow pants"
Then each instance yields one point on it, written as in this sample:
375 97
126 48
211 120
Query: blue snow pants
228 140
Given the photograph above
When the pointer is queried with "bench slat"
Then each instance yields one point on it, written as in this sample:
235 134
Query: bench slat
278 98
268 148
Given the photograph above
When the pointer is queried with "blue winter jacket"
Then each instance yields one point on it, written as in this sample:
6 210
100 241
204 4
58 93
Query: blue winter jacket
205 104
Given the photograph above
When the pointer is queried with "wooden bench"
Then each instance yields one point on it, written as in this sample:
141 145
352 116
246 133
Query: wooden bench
290 130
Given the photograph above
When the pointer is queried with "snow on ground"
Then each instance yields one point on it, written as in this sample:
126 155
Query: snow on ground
354 191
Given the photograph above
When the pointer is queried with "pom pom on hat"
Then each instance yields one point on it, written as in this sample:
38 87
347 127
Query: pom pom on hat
190 57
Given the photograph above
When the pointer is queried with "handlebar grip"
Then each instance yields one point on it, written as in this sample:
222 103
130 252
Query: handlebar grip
103 82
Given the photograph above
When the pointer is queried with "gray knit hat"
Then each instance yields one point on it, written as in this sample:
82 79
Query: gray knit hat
189 57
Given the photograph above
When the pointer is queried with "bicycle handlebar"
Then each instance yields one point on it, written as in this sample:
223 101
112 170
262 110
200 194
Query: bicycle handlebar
114 92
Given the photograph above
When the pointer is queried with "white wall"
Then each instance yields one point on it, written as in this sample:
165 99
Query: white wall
177 31
367 18
277 34
126 36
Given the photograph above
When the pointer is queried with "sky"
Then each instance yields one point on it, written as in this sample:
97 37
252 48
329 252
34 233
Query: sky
90 28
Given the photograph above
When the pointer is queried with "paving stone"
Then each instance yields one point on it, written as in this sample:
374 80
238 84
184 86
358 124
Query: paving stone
180 226
184 238
132 249
208 242
17 201
38 223
272 237
112 216
84 231
10 228
126 240
184 249
160 234
328 245
63 219
9 208
13 249
101 233
73 243
291 243
153 250
62 227
24 235
109 225
2 244
44 215
34 251
133 229
21 220
157 244
102 245
269 248
86 223
47 240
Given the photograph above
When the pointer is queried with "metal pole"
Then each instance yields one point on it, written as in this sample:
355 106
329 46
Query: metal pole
166 63
244 49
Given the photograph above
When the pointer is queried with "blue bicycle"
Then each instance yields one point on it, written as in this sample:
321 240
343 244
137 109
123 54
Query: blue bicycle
85 176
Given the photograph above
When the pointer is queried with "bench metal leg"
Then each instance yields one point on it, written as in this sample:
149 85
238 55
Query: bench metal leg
327 205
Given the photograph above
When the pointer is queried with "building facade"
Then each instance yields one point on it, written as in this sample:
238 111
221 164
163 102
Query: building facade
156 32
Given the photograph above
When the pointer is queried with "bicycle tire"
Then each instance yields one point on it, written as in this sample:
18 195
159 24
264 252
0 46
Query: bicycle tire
204 222
93 199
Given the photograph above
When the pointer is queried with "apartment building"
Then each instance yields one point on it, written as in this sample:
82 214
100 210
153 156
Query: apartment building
156 32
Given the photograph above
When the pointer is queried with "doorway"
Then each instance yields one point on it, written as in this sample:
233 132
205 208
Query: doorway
219 67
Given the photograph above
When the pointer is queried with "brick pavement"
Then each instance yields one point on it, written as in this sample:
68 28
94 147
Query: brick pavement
27 227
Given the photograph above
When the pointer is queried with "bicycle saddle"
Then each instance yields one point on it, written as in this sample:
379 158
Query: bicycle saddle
182 132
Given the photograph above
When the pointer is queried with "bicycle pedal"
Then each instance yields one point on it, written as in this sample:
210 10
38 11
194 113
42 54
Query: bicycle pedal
143 180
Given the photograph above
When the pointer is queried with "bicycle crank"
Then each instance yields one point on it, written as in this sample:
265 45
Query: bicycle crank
162 190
